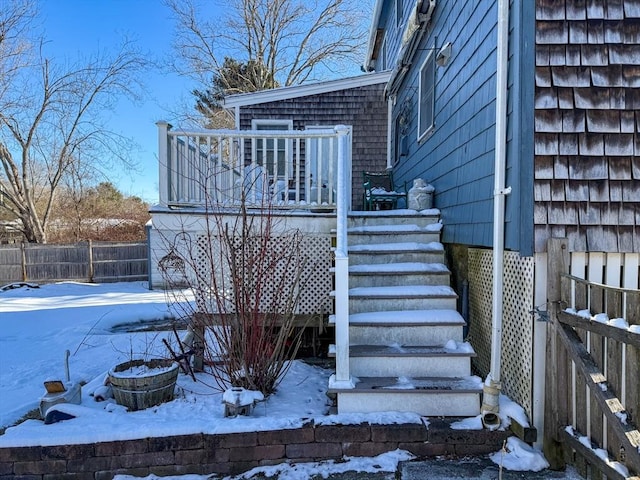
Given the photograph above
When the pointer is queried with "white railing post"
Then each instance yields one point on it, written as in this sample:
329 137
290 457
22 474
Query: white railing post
342 377
163 162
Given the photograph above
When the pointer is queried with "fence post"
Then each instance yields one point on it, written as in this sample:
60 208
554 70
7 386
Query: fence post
556 375
23 253
90 253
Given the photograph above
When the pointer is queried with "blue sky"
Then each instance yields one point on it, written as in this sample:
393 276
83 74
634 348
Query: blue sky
81 27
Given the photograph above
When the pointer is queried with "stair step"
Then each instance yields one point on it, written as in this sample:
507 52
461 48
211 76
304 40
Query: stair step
385 229
393 217
405 318
377 304
398 252
403 291
385 360
469 383
397 247
461 349
399 268
422 327
404 297
385 233
427 396
408 273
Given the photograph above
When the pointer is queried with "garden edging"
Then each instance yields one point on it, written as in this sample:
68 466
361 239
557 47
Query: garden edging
235 453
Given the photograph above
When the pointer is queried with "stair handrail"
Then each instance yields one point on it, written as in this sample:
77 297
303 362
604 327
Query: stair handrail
342 377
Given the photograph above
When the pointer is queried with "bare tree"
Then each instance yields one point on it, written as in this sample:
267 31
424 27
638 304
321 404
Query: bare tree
247 271
100 213
288 39
51 116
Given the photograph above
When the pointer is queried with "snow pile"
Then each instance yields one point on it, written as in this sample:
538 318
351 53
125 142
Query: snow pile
508 410
518 456
386 462
604 318
242 396
603 454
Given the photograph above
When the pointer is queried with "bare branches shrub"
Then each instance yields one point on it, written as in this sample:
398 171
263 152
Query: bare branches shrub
246 270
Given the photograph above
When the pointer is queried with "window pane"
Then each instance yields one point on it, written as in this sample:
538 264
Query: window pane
273 149
427 97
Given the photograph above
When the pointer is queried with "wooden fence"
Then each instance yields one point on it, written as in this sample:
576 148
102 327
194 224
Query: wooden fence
100 262
593 367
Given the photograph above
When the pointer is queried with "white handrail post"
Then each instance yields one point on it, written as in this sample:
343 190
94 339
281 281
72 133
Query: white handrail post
163 162
342 378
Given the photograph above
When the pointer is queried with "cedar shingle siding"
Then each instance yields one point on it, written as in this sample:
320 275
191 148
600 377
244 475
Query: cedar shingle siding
362 107
587 124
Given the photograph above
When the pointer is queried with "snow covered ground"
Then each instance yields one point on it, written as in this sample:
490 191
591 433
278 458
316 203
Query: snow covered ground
40 324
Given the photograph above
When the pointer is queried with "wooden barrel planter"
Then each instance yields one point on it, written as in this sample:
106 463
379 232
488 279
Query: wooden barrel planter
140 384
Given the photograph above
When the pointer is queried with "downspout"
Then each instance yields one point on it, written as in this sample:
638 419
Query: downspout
390 102
237 115
492 385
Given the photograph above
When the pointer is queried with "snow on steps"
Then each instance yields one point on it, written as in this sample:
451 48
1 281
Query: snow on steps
402 252
404 327
406 351
408 273
428 396
453 359
409 233
394 217
403 297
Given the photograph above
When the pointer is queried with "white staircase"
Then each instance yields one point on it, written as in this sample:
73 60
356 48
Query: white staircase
406 349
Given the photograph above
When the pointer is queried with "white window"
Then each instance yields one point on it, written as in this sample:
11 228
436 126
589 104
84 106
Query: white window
274 155
426 102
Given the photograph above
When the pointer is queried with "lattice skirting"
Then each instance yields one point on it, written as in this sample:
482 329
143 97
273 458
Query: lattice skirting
517 323
315 250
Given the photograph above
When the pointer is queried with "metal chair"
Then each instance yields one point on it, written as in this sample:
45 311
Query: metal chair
380 191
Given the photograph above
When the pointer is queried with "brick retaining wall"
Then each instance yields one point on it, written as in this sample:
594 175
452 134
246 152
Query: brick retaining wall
237 452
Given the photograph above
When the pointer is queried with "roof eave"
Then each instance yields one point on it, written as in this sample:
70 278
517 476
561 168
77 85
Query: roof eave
373 32
296 91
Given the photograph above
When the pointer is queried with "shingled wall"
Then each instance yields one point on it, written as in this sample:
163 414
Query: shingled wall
364 108
587 124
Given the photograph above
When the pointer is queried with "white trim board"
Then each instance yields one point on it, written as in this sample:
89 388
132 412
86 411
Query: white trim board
296 91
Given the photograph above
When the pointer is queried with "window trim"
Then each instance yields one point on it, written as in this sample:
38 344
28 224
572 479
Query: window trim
383 53
399 13
423 132
259 122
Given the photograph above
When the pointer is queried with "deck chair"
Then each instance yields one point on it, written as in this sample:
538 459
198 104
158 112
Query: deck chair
380 191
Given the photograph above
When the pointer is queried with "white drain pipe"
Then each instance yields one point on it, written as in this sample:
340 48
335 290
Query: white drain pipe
492 386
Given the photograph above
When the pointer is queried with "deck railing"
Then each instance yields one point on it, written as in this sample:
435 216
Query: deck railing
287 169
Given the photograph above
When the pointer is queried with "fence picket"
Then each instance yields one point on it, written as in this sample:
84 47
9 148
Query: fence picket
595 345
605 357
